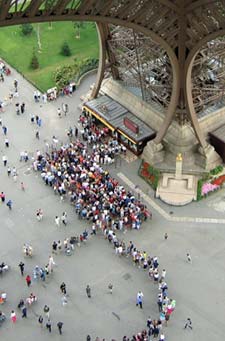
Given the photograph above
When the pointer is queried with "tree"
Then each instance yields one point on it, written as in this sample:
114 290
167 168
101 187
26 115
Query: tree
34 64
78 26
26 29
65 49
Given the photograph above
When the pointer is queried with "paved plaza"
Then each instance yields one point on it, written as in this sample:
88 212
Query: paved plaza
197 287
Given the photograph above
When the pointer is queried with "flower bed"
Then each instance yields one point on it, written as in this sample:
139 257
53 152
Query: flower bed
149 174
210 183
219 181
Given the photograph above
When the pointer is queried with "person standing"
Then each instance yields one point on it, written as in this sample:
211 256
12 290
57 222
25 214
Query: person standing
76 131
51 263
28 280
15 83
7 142
22 108
13 316
60 325
4 128
49 325
21 266
2 195
188 324
59 113
139 299
189 260
47 311
88 291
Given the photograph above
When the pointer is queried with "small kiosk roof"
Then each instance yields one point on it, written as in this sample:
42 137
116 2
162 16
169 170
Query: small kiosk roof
114 113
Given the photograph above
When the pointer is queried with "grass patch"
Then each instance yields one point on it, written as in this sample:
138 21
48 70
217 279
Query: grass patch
17 49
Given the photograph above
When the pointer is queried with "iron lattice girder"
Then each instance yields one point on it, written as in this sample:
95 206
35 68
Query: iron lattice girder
208 75
142 64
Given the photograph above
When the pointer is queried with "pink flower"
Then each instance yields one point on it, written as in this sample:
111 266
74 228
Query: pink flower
208 187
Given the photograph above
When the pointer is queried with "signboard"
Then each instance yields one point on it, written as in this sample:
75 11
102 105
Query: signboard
131 125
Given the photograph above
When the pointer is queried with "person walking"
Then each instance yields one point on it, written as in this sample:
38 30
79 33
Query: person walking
64 218
22 186
88 338
13 316
4 159
28 280
110 287
40 320
49 325
7 143
60 325
37 135
21 266
139 299
189 260
9 204
63 288
166 236
188 324
57 221
9 171
24 311
88 291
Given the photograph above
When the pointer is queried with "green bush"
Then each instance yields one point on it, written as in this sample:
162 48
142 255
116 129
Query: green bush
26 29
65 49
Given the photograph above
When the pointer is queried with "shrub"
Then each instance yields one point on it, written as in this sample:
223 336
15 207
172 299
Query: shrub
64 74
65 49
216 170
26 29
34 64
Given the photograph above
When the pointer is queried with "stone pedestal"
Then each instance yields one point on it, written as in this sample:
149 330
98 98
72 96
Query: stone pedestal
208 158
153 153
178 173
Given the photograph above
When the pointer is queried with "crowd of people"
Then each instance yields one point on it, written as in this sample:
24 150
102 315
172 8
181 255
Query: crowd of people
77 171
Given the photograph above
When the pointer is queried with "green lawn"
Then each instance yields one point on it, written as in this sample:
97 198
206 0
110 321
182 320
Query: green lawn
17 49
